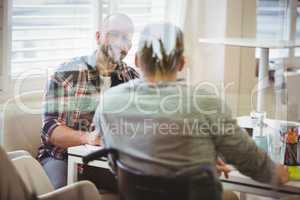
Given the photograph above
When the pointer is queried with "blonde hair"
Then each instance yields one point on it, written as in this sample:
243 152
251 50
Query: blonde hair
160 47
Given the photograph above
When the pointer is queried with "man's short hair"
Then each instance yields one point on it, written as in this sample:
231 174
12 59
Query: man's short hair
160 47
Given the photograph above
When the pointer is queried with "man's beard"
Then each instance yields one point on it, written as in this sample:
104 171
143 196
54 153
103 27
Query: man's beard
113 54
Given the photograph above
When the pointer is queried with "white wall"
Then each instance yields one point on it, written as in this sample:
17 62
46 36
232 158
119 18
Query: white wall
3 21
218 64
239 68
204 18
1 39
1 58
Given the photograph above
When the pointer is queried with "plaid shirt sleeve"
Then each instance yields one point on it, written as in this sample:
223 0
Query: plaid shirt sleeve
52 107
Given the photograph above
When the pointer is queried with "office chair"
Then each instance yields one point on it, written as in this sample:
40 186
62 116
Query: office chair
37 182
134 185
22 122
23 178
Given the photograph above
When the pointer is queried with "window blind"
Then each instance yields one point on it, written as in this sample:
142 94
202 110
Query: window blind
142 12
47 32
271 23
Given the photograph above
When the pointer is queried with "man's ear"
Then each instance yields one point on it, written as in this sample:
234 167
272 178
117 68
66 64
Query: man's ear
98 37
181 63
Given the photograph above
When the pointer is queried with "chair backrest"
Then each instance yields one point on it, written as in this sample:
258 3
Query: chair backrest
134 185
33 175
22 123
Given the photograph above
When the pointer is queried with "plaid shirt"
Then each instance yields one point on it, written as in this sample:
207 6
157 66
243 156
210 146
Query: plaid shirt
71 98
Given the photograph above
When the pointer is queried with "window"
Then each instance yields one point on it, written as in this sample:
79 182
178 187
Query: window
48 32
1 44
297 52
272 23
271 20
141 12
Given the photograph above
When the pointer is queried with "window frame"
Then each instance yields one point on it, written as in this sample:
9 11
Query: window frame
1 44
6 43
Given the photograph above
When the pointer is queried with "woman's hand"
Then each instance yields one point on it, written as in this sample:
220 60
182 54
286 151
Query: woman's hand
222 167
282 174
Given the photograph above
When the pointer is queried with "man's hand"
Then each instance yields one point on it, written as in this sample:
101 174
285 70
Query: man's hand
282 174
94 140
91 139
222 167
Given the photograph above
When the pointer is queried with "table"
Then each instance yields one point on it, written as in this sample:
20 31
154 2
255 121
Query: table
236 181
75 155
246 122
244 184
